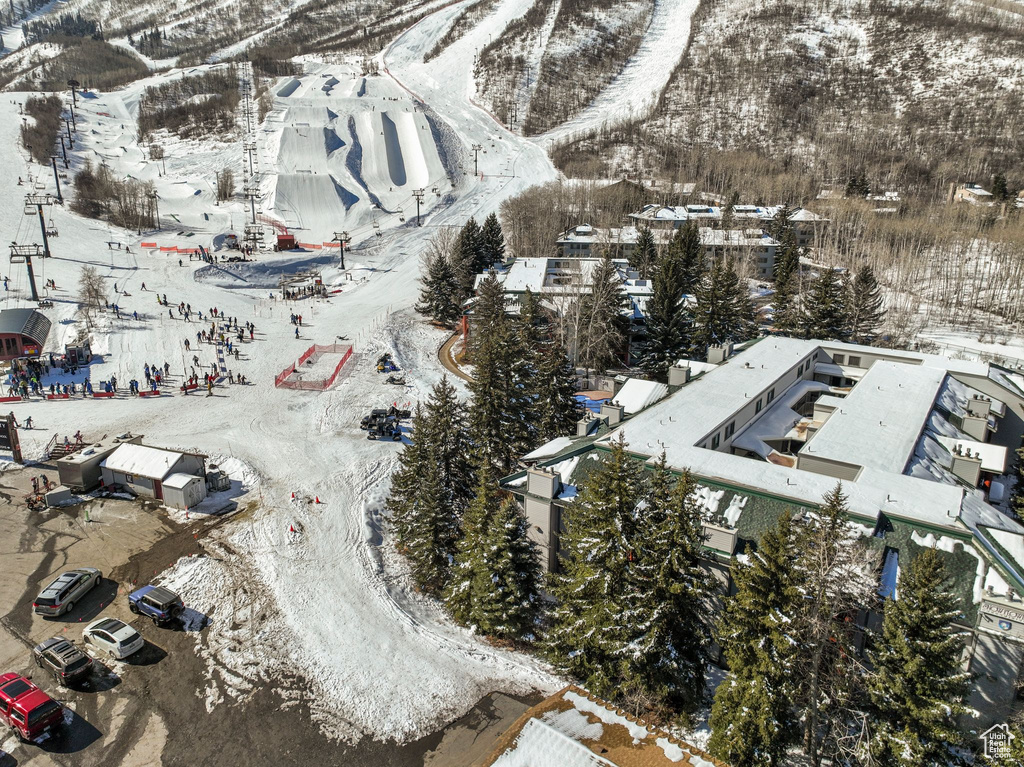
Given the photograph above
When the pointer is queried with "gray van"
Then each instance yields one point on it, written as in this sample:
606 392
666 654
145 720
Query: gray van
60 596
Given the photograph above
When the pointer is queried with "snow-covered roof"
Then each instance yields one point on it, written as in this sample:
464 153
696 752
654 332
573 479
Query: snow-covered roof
993 457
637 394
179 480
150 462
574 729
901 395
878 424
716 212
548 449
557 276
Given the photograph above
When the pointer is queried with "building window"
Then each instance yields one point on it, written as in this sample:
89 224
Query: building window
129 478
715 442
730 430
855 362
800 370
757 408
771 395
839 359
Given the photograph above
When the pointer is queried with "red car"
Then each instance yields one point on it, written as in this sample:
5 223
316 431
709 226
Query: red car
26 708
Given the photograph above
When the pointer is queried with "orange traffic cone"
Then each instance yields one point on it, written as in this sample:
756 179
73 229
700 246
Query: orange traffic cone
293 496
318 499
291 529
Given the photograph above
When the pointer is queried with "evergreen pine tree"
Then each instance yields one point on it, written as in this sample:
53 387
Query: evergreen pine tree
752 721
866 312
686 247
467 259
826 311
601 331
916 686
469 552
432 487
835 585
711 319
492 242
557 409
502 412
999 188
787 257
667 608
490 311
668 320
644 256
430 532
743 319
723 311
780 222
440 298
587 638
786 318
507 587
448 440
403 499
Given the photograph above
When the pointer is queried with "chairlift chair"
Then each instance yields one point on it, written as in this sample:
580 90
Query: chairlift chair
401 215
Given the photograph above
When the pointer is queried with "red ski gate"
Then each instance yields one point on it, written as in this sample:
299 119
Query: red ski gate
293 377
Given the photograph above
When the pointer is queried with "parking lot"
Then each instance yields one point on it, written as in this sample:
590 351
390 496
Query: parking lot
148 709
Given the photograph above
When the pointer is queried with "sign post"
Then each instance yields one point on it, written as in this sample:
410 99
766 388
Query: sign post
9 437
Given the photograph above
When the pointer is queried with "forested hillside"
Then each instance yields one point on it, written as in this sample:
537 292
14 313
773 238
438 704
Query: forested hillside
909 94
549 64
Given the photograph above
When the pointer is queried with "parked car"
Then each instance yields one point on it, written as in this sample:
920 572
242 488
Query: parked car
62 659
29 711
160 604
116 638
60 596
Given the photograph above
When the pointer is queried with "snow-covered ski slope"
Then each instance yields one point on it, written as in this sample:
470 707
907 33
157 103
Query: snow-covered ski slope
376 659
340 151
637 87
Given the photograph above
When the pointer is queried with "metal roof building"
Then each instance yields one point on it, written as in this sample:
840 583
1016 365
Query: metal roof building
23 333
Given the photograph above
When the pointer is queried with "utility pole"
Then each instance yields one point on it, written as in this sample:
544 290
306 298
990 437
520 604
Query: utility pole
476 156
71 141
418 194
56 179
38 201
342 239
23 254
64 151
74 84
155 198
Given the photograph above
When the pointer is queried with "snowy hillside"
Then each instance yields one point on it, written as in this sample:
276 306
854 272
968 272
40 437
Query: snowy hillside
891 87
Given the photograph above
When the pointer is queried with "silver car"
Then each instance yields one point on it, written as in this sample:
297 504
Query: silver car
60 596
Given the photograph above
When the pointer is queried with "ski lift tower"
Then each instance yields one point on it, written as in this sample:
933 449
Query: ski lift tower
342 238
34 204
23 254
